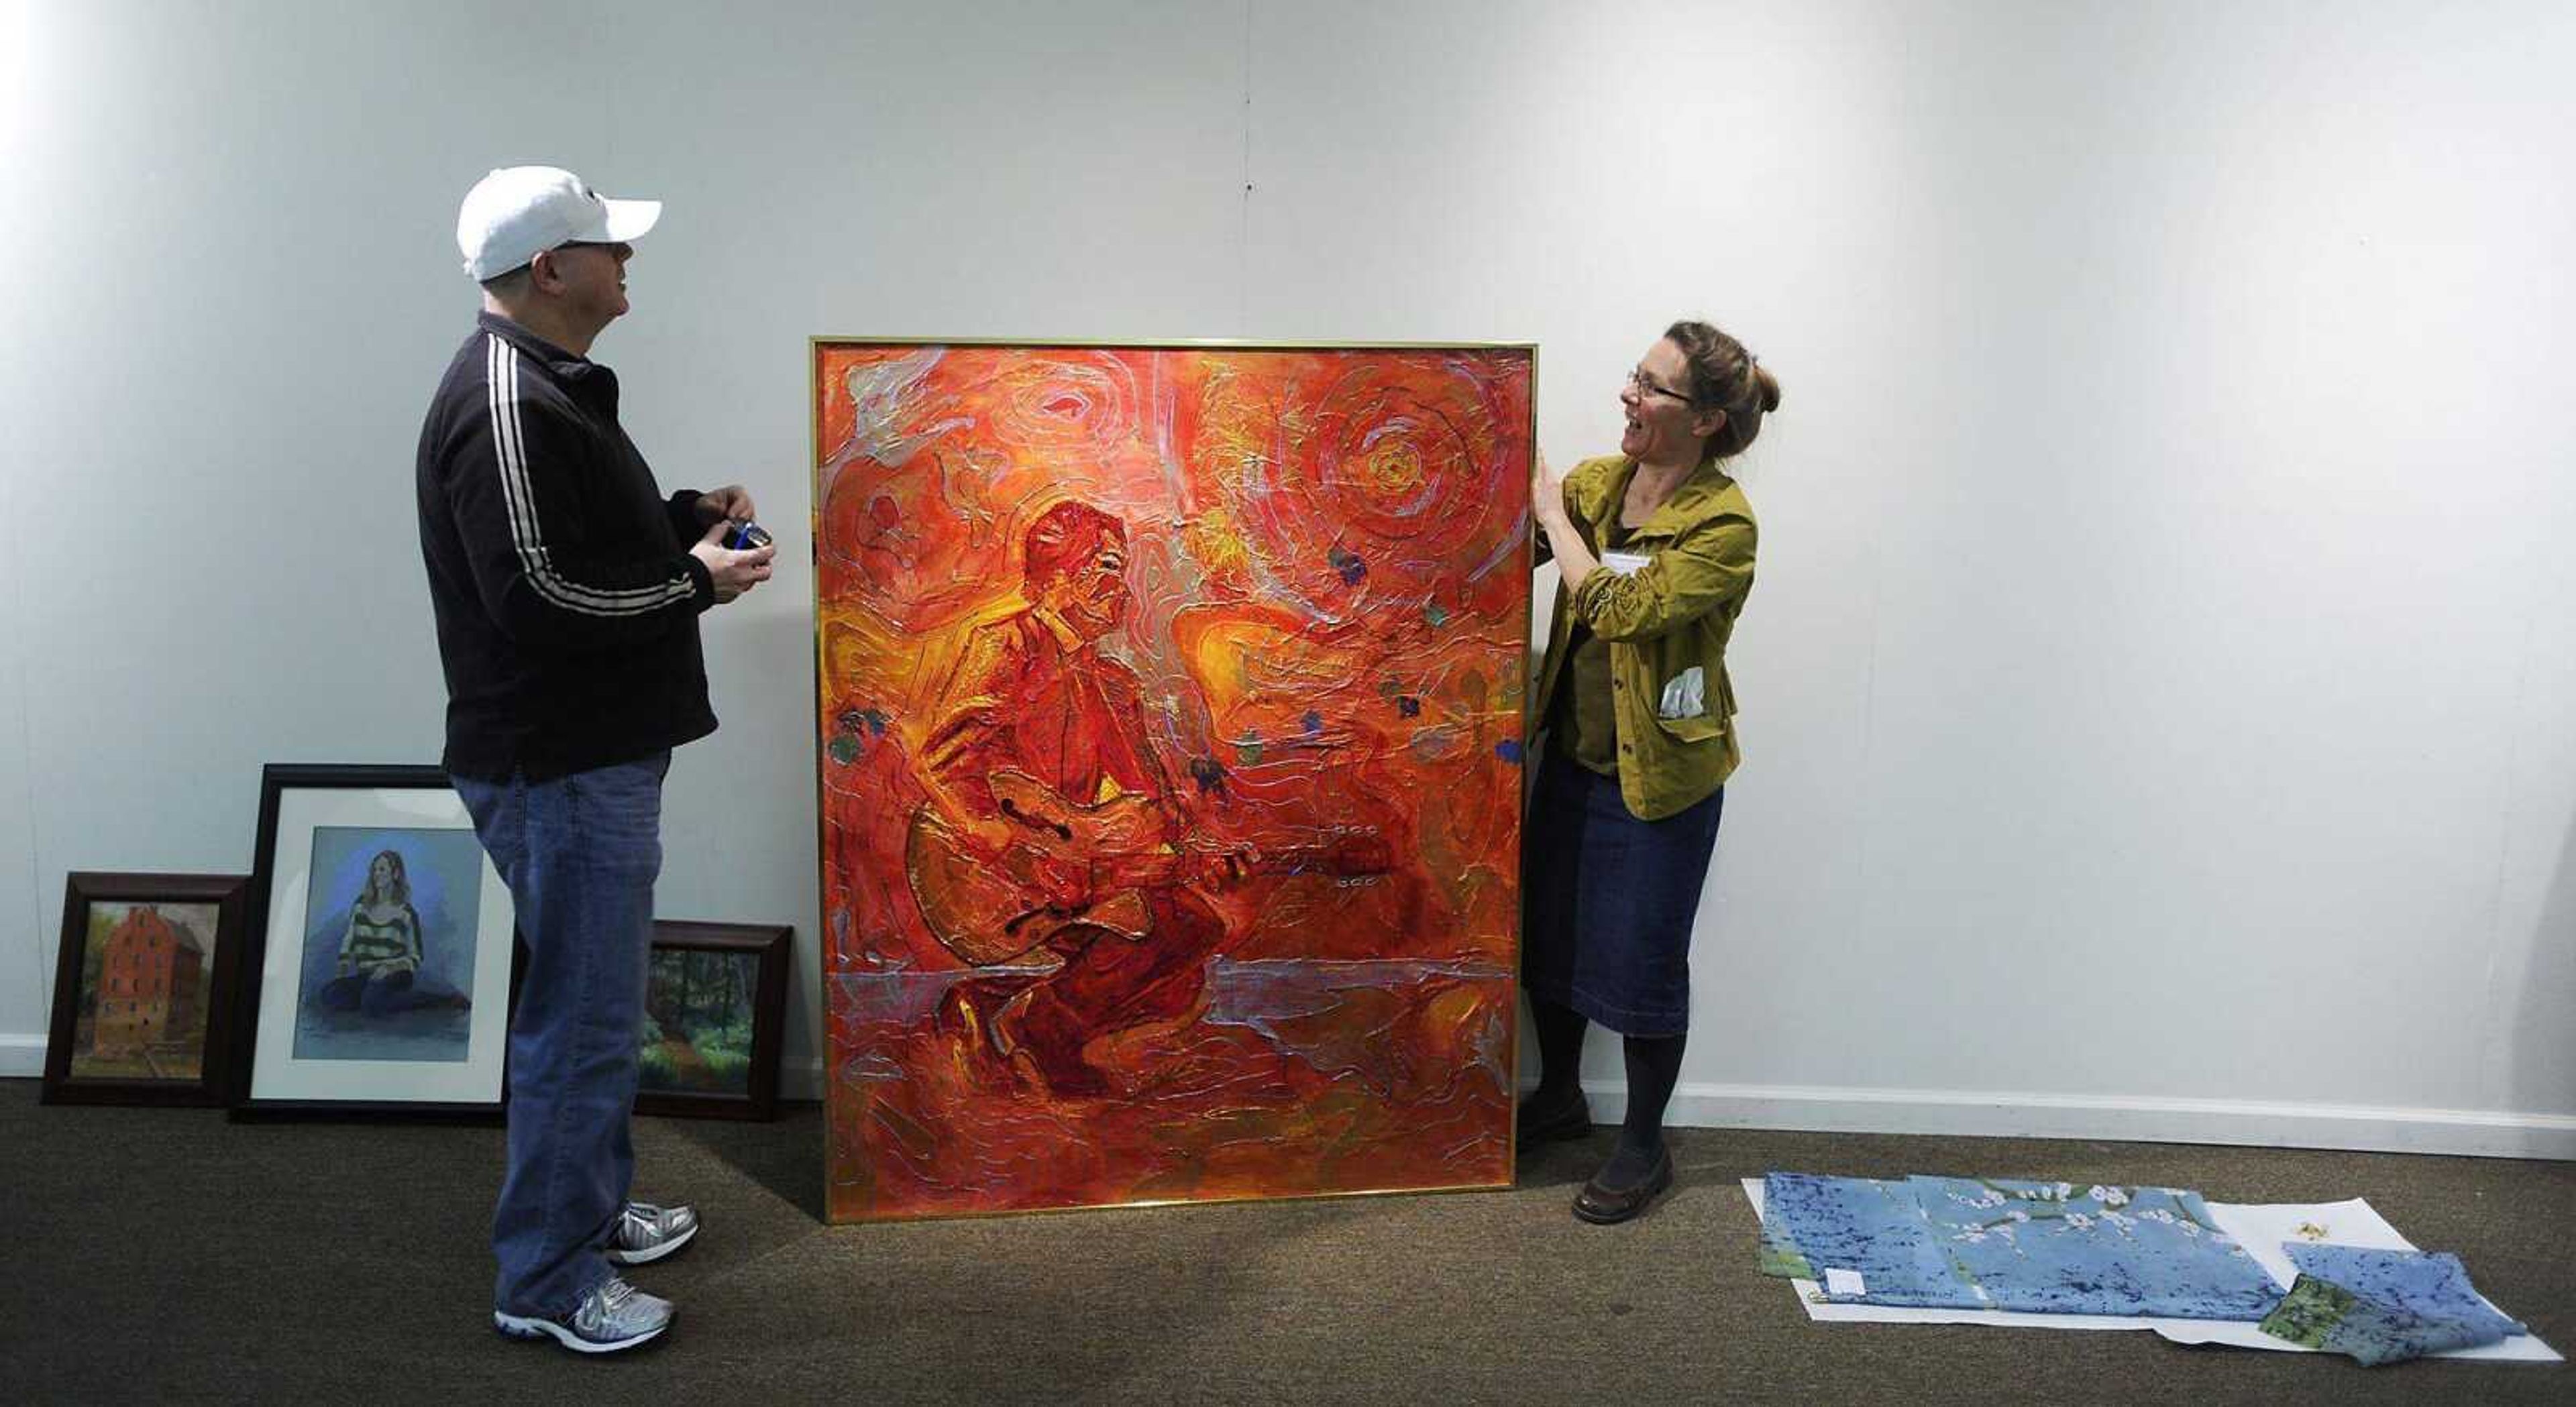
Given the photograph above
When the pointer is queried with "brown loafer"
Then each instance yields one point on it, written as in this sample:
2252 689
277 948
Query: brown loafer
1570 1120
1606 1206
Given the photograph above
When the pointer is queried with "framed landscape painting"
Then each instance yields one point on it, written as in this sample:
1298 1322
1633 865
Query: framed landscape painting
714 1005
142 989
378 960
1170 769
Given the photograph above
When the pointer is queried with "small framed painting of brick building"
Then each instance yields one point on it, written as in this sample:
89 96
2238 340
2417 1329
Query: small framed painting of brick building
143 989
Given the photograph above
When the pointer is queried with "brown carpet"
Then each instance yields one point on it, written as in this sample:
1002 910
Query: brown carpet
168 1255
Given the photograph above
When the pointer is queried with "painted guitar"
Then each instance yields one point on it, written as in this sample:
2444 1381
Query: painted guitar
1086 868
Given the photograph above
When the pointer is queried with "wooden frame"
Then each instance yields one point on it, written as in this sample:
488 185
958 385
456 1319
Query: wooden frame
310 1043
768 947
204 992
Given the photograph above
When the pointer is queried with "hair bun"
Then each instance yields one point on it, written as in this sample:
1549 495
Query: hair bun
1725 375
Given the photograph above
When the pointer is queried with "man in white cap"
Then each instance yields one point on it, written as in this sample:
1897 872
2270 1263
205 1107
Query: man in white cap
567 591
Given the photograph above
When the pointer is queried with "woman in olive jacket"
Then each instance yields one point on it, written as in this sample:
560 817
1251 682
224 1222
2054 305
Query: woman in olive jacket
1655 548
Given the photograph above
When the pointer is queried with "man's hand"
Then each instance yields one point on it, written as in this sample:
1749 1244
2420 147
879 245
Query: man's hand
988 836
733 501
1066 882
733 572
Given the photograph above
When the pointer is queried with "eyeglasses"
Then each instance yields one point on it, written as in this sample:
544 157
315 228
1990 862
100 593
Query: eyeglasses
1644 385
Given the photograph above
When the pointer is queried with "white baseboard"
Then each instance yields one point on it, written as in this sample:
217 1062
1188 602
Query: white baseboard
22 1056
1975 1114
2004 1114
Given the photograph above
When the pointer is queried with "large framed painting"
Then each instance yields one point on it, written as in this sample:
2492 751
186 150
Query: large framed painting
143 989
377 962
1170 769
715 1003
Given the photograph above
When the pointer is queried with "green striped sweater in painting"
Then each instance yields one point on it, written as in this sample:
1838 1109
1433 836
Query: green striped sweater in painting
387 945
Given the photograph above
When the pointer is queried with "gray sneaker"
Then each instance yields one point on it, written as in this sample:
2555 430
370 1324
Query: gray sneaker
647 1232
613 1316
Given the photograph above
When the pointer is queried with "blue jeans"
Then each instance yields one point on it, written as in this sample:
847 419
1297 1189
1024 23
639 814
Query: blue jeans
580 854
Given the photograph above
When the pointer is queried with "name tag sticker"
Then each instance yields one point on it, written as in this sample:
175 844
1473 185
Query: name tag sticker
1839 1281
1624 563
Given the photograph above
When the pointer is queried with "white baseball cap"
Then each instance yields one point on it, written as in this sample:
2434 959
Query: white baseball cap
519 212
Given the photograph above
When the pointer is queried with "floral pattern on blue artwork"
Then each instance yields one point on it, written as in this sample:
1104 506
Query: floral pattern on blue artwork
1997 1243
2051 1248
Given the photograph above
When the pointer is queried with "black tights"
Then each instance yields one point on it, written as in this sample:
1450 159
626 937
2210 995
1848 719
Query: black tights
1654 1067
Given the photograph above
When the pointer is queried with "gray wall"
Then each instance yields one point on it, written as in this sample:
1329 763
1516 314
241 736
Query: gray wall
2157 689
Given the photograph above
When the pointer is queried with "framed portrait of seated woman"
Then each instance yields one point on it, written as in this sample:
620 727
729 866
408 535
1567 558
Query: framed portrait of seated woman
376 971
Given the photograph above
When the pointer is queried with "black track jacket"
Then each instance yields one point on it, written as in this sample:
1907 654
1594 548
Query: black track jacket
567 601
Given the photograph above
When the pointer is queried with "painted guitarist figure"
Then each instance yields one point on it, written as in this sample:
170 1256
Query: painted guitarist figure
1053 834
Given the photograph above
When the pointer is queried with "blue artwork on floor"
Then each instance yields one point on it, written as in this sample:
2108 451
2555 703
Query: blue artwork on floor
1866 1226
2322 1315
1997 1243
2431 1285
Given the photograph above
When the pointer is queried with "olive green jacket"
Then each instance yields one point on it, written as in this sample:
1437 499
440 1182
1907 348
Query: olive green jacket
1667 625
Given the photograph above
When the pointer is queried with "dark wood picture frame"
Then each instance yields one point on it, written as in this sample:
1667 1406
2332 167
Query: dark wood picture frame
771 945
83 889
276 781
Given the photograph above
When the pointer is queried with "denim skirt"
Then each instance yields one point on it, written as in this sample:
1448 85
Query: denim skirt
1608 900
